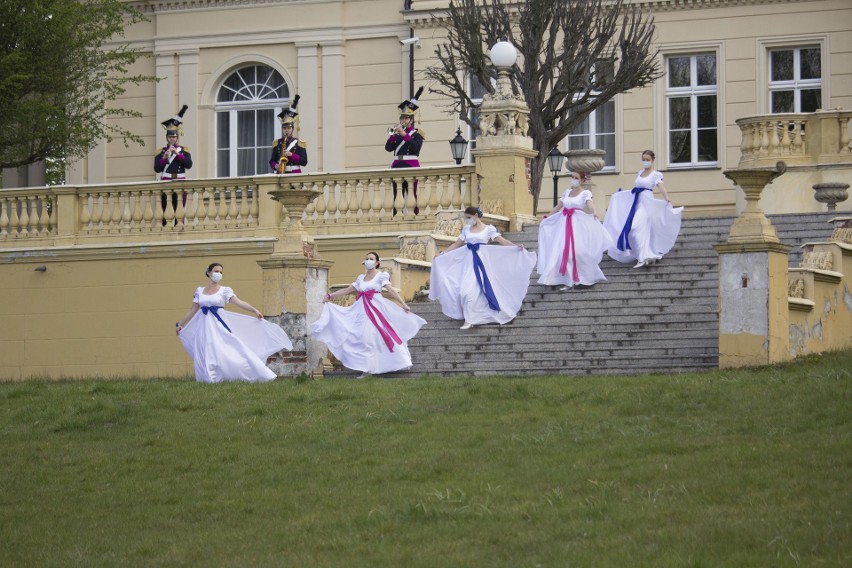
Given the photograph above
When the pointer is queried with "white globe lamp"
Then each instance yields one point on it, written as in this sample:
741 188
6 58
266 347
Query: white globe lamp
503 54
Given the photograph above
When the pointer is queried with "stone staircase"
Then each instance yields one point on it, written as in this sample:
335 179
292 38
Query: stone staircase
662 318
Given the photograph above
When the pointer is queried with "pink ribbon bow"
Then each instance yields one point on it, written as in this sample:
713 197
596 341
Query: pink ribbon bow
385 329
569 245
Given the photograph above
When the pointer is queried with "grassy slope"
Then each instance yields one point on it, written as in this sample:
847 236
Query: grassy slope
734 468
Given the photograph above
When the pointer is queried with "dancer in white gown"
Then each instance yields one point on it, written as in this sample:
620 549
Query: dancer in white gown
643 228
372 334
571 244
223 345
477 282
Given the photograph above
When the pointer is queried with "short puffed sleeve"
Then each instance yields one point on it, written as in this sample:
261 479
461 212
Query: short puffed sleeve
358 281
227 294
464 233
586 195
383 279
492 233
656 178
196 298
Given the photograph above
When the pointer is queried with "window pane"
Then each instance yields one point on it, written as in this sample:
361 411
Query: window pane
810 65
605 118
706 65
781 65
607 142
679 72
477 89
782 101
680 150
223 129
578 142
265 128
245 128
245 162
811 100
706 111
707 147
679 113
604 70
223 163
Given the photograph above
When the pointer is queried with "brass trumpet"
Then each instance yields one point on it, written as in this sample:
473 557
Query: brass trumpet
393 128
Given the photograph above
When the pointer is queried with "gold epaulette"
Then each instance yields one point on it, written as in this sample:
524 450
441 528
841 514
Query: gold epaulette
275 142
422 134
303 143
185 149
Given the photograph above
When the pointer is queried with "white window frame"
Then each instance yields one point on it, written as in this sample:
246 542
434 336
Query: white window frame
693 91
233 107
765 45
593 133
797 84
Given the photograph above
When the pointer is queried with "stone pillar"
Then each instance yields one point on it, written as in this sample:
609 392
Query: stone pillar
333 147
294 283
754 319
503 153
307 86
188 94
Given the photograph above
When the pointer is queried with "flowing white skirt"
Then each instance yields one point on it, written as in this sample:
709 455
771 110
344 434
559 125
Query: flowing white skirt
355 341
656 225
239 356
453 283
591 240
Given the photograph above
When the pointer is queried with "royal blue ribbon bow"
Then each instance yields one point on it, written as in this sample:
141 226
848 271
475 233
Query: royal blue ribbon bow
482 278
623 243
215 311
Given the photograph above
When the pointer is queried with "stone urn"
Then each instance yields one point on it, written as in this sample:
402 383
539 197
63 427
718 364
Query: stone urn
586 161
831 193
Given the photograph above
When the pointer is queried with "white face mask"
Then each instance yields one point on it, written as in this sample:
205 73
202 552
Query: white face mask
575 183
369 264
647 163
215 277
469 221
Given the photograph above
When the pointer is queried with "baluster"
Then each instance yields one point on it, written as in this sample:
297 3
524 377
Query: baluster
244 209
254 205
332 203
4 218
210 220
320 206
32 203
24 219
408 201
136 215
53 218
366 203
432 204
85 214
126 214
764 138
785 136
376 199
232 207
169 213
99 212
191 208
798 136
148 211
446 197
774 140
222 213
115 217
157 205
473 191
44 218
180 209
745 143
15 220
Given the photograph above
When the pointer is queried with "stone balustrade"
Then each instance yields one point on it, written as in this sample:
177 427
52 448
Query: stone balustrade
799 139
358 201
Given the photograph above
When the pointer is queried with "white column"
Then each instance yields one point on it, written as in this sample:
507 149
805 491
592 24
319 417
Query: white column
333 138
165 90
188 95
405 87
307 86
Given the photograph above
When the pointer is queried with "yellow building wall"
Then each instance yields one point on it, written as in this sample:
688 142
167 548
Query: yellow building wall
107 318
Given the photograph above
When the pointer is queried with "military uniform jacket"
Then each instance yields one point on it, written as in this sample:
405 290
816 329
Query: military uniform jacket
176 169
297 161
406 149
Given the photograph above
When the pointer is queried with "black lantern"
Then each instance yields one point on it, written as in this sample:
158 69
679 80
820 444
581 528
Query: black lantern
555 159
458 146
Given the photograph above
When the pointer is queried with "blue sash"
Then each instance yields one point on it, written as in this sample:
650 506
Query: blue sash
215 311
623 243
482 278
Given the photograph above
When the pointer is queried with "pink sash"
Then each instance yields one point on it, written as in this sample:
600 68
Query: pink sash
385 330
569 245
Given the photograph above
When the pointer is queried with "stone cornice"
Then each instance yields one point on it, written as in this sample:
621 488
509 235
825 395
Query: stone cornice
158 6
121 251
432 17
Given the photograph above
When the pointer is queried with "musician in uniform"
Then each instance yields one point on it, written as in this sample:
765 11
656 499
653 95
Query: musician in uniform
405 141
172 161
289 153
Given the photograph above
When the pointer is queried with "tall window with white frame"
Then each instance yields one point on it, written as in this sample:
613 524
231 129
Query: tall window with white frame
692 110
795 79
476 91
246 106
598 129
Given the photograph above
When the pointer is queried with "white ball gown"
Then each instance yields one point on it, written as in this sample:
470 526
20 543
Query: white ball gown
372 334
653 228
236 355
463 289
571 244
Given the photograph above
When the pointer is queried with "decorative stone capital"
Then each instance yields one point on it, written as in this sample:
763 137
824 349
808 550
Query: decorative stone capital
752 226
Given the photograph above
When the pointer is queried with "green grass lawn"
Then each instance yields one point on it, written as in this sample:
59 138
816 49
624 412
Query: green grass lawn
727 468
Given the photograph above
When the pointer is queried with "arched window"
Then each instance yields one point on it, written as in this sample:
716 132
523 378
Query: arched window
246 124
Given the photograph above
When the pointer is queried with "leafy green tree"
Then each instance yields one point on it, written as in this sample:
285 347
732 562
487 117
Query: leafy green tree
58 76
575 55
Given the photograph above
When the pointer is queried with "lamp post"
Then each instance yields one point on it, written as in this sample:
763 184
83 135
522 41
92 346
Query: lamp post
458 146
555 159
